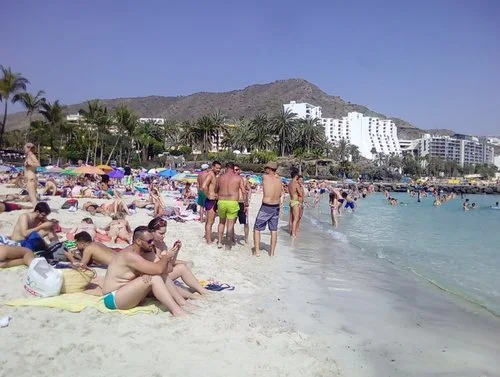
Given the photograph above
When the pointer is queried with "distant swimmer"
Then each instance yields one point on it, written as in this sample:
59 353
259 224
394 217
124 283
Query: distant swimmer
496 206
473 206
465 205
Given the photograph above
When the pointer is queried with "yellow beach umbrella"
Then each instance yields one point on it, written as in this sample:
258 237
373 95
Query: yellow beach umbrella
105 168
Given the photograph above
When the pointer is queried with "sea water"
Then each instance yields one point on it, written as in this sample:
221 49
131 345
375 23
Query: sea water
456 250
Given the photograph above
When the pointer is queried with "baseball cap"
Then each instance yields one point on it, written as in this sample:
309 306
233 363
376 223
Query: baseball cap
271 165
205 166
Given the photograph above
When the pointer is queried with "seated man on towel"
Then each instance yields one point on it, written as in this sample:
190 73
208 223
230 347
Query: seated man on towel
32 227
11 256
90 252
130 277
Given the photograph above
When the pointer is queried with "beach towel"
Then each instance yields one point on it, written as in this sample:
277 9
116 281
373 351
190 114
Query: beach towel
14 268
76 302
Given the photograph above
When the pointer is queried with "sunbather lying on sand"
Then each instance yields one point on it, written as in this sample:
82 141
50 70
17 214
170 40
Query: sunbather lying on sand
130 277
90 252
87 225
8 207
15 198
50 187
118 205
11 256
119 227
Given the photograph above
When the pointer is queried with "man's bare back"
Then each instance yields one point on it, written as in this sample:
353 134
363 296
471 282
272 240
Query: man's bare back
229 186
272 189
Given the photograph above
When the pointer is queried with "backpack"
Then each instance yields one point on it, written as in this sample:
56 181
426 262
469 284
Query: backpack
70 203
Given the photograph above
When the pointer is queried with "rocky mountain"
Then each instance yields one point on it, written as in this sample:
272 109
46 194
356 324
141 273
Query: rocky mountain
260 98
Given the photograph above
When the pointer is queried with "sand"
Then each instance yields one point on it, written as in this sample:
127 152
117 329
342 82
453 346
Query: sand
231 334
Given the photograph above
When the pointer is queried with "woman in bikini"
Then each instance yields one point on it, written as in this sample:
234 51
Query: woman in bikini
177 268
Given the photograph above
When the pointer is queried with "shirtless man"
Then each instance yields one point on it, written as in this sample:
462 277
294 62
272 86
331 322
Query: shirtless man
270 210
90 252
32 227
201 195
30 165
130 277
209 188
243 212
296 199
302 199
228 192
50 187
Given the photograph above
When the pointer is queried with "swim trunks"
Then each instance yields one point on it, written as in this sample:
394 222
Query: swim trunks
34 242
201 198
11 207
294 203
6 241
228 209
268 215
242 216
109 301
349 205
322 191
210 204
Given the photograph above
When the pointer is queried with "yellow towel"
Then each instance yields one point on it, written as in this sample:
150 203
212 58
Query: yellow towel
76 302
22 267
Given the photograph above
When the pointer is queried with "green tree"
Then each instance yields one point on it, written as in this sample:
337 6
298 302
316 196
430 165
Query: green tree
11 84
261 136
56 125
310 134
284 126
125 121
32 103
219 126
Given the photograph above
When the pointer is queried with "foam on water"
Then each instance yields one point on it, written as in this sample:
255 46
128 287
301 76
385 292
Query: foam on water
457 251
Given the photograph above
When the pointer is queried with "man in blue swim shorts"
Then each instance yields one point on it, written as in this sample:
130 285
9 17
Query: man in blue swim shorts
270 210
31 228
201 195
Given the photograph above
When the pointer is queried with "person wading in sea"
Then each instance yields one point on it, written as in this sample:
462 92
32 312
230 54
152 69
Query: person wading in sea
296 200
228 191
30 164
208 187
270 209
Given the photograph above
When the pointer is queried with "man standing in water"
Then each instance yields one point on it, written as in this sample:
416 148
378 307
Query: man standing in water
270 210
209 188
30 165
228 192
296 200
201 195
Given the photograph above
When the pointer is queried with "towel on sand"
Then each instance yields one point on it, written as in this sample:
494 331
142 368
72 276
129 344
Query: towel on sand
21 267
76 302
98 237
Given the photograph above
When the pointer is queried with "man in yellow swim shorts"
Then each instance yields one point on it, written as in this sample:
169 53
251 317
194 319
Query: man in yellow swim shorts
229 186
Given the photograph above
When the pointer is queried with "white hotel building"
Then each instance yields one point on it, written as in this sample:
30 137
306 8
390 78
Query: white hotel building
363 131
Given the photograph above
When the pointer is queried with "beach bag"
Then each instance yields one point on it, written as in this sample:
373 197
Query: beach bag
54 252
76 279
42 280
70 203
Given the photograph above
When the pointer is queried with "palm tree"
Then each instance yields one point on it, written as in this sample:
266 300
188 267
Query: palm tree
219 126
310 133
261 136
238 137
284 126
91 117
31 103
125 120
207 130
10 84
39 131
56 124
343 150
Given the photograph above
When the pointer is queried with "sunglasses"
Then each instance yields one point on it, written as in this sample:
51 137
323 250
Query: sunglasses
149 242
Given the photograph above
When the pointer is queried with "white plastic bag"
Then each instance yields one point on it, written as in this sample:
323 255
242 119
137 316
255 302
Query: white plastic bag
42 280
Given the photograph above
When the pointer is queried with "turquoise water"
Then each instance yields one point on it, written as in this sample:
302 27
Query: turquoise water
455 250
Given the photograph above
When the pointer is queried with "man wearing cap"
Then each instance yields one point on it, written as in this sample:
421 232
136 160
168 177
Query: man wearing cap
30 165
270 210
201 195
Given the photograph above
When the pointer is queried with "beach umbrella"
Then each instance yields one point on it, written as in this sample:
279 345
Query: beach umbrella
169 173
179 177
152 171
116 174
53 170
105 168
40 169
189 178
69 172
89 170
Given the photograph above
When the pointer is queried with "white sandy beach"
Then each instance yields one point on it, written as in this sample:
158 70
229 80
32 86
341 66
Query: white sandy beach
227 335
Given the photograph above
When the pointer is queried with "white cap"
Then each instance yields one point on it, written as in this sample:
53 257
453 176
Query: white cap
205 166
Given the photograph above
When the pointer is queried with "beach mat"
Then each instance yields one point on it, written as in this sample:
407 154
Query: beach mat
14 268
76 302
98 237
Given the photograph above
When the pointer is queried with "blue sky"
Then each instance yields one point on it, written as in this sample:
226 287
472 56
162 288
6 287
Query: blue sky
435 64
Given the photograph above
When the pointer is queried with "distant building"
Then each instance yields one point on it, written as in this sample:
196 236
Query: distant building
74 118
462 149
496 161
304 110
368 133
159 121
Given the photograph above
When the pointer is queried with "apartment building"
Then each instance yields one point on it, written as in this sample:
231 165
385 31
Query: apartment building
304 110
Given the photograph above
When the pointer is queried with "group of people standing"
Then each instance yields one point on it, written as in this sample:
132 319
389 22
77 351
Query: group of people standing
227 193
